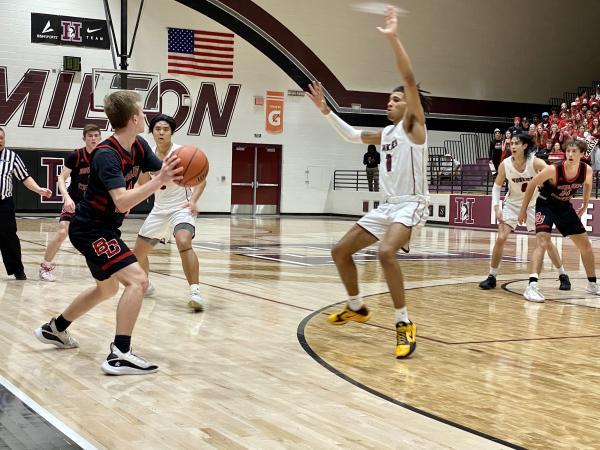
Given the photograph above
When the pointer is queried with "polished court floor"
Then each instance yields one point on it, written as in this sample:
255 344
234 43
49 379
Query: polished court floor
261 367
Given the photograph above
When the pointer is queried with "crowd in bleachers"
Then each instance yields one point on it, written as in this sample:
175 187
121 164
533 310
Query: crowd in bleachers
579 120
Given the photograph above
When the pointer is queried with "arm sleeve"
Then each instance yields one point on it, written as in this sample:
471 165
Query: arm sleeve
20 171
347 132
108 167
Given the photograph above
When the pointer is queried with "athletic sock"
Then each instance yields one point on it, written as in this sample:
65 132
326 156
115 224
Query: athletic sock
402 315
47 263
355 302
493 271
533 278
592 279
61 323
561 270
194 287
122 342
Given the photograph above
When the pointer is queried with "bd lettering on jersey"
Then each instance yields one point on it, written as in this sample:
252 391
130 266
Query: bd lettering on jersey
53 167
464 210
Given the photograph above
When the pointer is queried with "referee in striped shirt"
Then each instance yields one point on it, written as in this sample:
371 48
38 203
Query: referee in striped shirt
11 164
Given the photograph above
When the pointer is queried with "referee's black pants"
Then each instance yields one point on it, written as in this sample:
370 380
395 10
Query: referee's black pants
9 241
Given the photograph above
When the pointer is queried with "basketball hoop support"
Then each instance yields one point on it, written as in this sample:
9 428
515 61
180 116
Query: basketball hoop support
122 52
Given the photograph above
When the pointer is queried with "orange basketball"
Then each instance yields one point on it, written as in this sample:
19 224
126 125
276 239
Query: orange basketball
194 163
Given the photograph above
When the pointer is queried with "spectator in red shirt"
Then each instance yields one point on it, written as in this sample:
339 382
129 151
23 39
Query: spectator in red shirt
540 137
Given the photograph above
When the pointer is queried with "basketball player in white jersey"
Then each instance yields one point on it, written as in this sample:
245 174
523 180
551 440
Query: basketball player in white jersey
402 178
175 209
519 170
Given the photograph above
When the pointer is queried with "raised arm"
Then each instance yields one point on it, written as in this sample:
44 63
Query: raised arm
415 115
347 132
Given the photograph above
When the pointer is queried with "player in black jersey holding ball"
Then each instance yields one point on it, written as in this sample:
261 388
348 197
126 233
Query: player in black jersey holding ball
115 166
559 183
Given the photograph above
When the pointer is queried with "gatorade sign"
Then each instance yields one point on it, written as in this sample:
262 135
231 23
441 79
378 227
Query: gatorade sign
274 112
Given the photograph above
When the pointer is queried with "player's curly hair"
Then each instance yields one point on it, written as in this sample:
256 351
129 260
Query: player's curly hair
425 99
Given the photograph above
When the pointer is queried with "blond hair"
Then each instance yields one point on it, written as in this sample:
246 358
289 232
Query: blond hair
121 106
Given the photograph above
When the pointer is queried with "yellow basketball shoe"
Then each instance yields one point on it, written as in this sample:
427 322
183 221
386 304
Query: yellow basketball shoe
406 339
347 315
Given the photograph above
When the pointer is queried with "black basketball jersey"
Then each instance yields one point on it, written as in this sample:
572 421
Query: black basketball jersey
113 167
564 189
79 163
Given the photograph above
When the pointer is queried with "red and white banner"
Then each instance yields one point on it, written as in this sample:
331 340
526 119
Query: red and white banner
274 112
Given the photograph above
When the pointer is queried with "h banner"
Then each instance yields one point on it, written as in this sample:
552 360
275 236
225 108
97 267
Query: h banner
274 112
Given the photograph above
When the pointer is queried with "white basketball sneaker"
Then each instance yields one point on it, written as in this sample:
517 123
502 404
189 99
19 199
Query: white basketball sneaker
593 288
533 294
46 273
196 302
150 290
48 334
119 363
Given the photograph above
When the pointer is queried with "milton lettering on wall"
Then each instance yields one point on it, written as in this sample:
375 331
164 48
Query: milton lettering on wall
66 30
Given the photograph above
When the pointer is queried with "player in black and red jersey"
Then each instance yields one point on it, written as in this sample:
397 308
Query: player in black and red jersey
114 169
560 182
77 167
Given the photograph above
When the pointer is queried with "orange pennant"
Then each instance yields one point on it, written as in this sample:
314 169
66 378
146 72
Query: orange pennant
274 112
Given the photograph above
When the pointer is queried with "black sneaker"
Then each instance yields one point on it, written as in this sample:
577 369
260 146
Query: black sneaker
119 363
488 283
565 283
20 276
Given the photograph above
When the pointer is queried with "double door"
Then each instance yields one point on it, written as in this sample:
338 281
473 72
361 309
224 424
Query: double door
255 179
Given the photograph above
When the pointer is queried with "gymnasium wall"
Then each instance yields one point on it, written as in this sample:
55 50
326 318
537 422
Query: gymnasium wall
311 150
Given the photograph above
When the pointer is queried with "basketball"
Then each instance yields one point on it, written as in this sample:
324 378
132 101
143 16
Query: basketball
194 163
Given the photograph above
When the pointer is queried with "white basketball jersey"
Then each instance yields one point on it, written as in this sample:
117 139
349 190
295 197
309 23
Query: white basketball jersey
403 166
517 181
173 197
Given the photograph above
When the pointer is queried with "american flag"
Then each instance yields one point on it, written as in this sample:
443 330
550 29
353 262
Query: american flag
200 53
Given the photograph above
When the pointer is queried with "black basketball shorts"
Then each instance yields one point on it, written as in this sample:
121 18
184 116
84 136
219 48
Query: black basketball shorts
104 251
562 215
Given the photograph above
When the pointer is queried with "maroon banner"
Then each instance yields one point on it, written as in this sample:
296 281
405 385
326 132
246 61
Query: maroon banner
475 211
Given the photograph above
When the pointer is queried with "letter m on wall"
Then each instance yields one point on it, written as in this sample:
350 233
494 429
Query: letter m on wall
27 94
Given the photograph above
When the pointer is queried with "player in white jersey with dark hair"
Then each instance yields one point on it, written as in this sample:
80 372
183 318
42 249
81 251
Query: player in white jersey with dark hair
519 169
174 212
402 178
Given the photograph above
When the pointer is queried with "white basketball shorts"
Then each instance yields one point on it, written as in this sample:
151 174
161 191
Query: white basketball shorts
510 215
159 225
409 213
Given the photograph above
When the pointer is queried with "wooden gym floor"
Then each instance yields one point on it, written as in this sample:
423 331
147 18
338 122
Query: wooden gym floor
261 367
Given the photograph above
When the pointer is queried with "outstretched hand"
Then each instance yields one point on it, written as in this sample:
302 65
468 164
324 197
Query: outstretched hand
391 21
318 98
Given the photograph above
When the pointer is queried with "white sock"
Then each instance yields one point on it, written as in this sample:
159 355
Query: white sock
355 302
194 287
493 271
402 315
47 263
561 270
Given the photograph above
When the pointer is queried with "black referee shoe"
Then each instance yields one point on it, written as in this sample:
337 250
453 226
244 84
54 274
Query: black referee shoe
20 276
488 283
